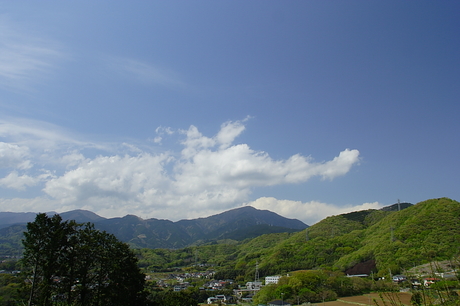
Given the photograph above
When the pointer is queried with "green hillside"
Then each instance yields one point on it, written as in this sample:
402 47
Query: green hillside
424 232
387 241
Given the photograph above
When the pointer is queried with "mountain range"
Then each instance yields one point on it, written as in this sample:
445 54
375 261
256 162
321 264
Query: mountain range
393 240
390 240
236 224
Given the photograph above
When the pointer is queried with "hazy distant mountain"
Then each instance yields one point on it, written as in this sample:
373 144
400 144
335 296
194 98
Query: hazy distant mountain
237 224
10 218
81 216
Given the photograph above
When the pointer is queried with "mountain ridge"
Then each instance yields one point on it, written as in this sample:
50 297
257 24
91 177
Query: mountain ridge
238 224
235 224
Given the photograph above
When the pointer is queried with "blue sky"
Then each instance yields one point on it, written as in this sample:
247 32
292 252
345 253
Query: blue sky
184 109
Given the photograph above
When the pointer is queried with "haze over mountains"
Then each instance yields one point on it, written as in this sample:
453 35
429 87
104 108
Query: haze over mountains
237 224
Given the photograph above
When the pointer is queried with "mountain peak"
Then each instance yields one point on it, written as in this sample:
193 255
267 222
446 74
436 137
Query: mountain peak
81 216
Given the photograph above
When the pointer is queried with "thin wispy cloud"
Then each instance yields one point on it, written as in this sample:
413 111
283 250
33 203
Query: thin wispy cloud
144 73
24 143
25 58
209 174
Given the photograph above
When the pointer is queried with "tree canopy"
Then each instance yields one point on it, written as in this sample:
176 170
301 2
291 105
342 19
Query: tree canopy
74 264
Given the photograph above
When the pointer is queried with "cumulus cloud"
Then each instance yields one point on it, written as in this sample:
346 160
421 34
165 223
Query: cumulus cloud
209 174
20 182
14 156
309 212
15 181
228 132
127 178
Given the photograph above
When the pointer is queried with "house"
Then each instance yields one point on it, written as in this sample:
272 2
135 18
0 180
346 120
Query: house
224 298
278 303
430 280
254 285
212 300
399 278
219 298
181 286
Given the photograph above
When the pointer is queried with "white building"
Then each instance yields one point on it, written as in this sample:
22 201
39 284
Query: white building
253 285
272 279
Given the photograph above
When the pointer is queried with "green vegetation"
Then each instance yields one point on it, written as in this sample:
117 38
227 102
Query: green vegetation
74 264
314 286
394 240
10 240
12 289
68 257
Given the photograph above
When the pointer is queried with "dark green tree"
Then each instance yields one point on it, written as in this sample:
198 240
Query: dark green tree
46 250
74 264
172 298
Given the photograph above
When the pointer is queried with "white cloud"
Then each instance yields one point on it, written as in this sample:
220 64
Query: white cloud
14 181
228 132
45 142
36 133
14 156
209 175
161 131
37 204
20 182
157 139
309 212
132 148
195 142
125 178
73 159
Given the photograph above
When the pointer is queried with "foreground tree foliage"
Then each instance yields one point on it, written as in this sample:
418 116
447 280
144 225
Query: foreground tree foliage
74 264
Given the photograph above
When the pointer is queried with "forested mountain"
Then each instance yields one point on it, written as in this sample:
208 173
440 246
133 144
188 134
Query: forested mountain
370 241
237 224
